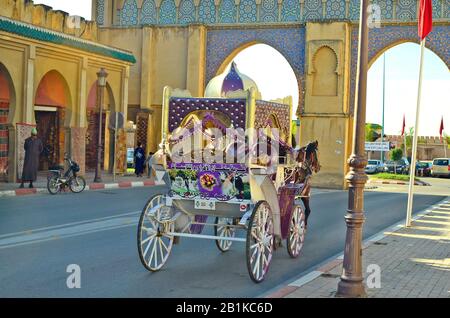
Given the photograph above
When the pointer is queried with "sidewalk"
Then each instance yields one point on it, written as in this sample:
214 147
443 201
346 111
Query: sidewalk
385 181
108 182
414 262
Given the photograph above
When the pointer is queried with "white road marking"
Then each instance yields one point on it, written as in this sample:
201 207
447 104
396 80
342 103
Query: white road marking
68 230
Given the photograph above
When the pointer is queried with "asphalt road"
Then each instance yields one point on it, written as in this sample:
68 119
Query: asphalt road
41 235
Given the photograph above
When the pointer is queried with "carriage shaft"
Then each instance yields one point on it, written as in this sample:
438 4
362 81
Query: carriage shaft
208 237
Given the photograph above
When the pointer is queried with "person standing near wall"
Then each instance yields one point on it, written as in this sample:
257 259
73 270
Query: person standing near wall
33 149
139 160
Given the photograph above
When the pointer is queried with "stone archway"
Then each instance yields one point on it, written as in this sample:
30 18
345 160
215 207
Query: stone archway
7 106
92 114
223 45
250 53
52 112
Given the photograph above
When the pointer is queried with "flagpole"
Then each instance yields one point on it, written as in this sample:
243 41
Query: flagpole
414 145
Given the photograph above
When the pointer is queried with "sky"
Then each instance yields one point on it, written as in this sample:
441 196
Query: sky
275 78
81 8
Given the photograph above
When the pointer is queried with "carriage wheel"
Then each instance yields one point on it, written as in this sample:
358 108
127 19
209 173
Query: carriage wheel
223 229
296 235
154 244
259 241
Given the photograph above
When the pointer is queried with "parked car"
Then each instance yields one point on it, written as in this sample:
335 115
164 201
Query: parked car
423 168
400 167
374 166
441 167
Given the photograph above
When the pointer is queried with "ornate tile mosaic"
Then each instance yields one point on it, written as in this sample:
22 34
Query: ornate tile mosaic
207 12
247 11
407 10
386 7
335 9
148 12
168 12
227 11
288 41
129 13
290 11
187 12
100 10
353 10
269 11
313 10
437 8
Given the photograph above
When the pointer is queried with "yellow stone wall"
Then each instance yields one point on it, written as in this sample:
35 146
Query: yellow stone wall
27 61
326 115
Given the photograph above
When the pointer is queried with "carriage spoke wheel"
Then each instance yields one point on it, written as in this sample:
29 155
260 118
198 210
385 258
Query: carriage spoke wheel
154 242
296 235
223 229
259 241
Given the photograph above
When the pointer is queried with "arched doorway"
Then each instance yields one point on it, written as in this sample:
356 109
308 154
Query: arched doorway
51 105
92 113
7 101
400 64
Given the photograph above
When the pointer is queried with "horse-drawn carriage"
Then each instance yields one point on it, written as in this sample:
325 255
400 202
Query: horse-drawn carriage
229 165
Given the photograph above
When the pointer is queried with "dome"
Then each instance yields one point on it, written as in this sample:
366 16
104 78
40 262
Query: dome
229 81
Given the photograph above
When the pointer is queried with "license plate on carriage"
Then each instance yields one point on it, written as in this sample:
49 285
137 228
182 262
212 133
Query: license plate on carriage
205 204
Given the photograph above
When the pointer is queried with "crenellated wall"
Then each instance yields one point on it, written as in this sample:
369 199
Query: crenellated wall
44 16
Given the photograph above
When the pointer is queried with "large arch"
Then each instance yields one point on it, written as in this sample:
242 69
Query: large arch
388 36
52 114
92 116
224 45
7 108
434 94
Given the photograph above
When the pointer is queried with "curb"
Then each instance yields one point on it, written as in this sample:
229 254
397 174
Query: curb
90 187
417 183
337 260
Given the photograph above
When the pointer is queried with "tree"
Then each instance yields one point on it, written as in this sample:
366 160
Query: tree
409 140
373 132
395 155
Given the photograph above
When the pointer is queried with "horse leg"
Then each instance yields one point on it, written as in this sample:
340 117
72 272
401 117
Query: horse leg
305 201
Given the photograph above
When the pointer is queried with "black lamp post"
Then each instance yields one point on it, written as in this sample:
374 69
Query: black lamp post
101 84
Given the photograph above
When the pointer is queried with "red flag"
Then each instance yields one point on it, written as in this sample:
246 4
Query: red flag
425 18
403 127
441 129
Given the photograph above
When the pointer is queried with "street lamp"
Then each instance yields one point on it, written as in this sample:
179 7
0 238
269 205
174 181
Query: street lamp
101 84
351 283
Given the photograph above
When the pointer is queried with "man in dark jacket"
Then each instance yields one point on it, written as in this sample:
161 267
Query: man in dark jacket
33 149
